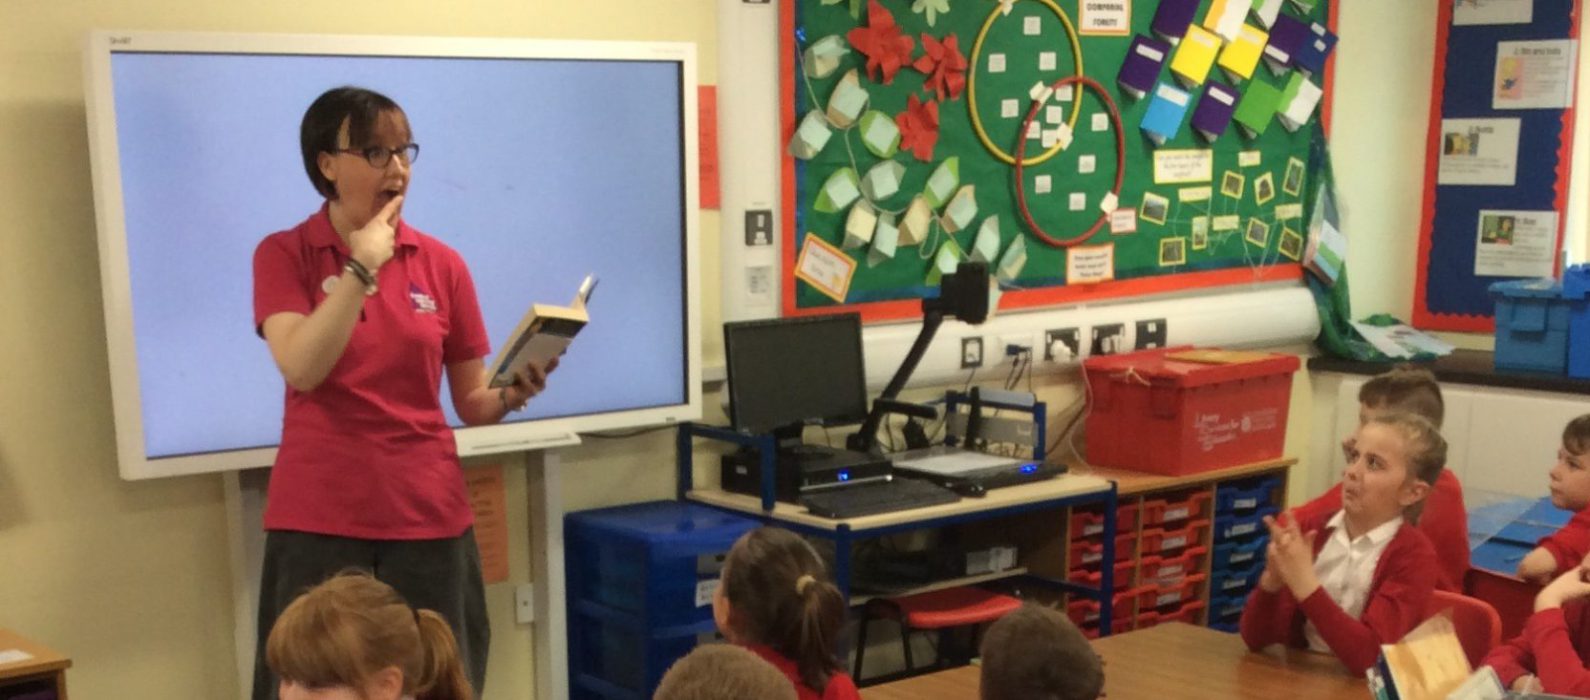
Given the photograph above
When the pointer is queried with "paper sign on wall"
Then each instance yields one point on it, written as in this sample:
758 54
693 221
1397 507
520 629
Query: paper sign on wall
1533 75
1469 12
826 268
489 500
1104 17
1478 152
1090 264
1183 165
1515 243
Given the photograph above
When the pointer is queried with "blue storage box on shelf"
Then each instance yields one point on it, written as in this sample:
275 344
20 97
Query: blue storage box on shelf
640 580
1239 552
1531 326
1502 532
1245 496
1242 525
648 559
1226 609
615 656
1236 580
1576 289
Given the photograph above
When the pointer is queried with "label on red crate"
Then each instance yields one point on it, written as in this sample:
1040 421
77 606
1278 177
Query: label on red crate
1243 529
1215 429
1168 598
1171 571
1173 542
1245 503
704 590
1093 529
1091 557
1178 513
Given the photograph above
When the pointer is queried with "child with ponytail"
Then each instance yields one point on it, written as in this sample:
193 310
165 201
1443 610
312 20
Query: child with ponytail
775 599
354 638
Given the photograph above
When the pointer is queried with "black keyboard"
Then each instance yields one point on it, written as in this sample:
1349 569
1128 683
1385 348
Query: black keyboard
871 499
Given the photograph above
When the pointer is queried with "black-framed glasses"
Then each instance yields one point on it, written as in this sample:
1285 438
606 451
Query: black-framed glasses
379 156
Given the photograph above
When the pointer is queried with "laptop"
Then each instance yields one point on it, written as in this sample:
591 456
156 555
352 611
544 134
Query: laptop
969 471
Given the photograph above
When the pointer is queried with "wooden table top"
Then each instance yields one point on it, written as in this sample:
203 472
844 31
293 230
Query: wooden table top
43 659
1173 660
1129 483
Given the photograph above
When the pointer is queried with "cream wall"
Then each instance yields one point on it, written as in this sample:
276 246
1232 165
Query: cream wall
132 579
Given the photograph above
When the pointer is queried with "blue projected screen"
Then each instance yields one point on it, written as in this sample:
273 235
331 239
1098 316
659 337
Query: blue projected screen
537 171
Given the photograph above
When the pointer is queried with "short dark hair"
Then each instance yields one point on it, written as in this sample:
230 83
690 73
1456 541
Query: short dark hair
1576 435
723 672
1036 653
360 108
1406 389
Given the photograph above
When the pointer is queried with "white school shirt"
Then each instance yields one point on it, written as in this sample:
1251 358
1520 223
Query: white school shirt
1345 569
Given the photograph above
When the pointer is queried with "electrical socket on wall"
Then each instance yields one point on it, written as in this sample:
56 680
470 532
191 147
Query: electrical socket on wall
971 352
1061 344
1150 334
1108 339
524 603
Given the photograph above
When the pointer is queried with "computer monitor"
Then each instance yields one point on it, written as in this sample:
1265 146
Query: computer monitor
791 372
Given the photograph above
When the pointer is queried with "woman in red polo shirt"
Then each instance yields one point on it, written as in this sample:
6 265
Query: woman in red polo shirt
362 314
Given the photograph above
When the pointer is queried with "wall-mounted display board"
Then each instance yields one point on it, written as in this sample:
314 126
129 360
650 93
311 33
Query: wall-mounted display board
1085 150
1497 155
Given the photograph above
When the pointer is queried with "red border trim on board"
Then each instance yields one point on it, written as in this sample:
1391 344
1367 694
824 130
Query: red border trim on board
1422 316
905 309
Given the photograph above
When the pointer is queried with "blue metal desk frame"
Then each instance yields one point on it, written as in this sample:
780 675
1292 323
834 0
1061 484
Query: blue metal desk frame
845 537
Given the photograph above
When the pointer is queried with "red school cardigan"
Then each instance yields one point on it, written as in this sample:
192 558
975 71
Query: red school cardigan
1555 646
1399 593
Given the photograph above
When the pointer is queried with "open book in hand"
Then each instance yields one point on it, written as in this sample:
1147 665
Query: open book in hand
543 334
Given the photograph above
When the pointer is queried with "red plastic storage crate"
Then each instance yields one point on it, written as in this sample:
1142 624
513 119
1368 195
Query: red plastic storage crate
1154 597
1162 570
1189 613
1175 508
1093 575
1160 541
1087 522
1091 550
1085 612
1179 411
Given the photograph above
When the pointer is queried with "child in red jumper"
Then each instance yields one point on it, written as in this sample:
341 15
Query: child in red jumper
1553 653
776 600
1570 490
1406 389
1348 583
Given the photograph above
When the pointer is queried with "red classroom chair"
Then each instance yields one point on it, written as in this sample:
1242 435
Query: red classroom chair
961 606
1513 598
1478 627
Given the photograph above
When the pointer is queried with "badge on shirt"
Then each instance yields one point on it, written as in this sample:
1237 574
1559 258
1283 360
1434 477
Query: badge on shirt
328 284
423 303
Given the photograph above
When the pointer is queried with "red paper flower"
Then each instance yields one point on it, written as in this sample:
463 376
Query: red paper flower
919 127
944 65
887 50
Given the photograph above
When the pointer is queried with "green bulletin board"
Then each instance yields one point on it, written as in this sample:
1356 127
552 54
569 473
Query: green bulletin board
960 44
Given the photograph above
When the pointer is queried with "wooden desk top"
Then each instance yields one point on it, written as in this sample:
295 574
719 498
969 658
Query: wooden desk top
1059 487
44 658
1173 660
1130 483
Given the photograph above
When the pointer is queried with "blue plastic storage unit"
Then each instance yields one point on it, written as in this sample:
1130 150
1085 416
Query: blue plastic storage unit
1239 539
639 587
1531 326
1576 289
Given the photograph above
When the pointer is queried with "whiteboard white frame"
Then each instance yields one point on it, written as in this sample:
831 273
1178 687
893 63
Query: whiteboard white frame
115 277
